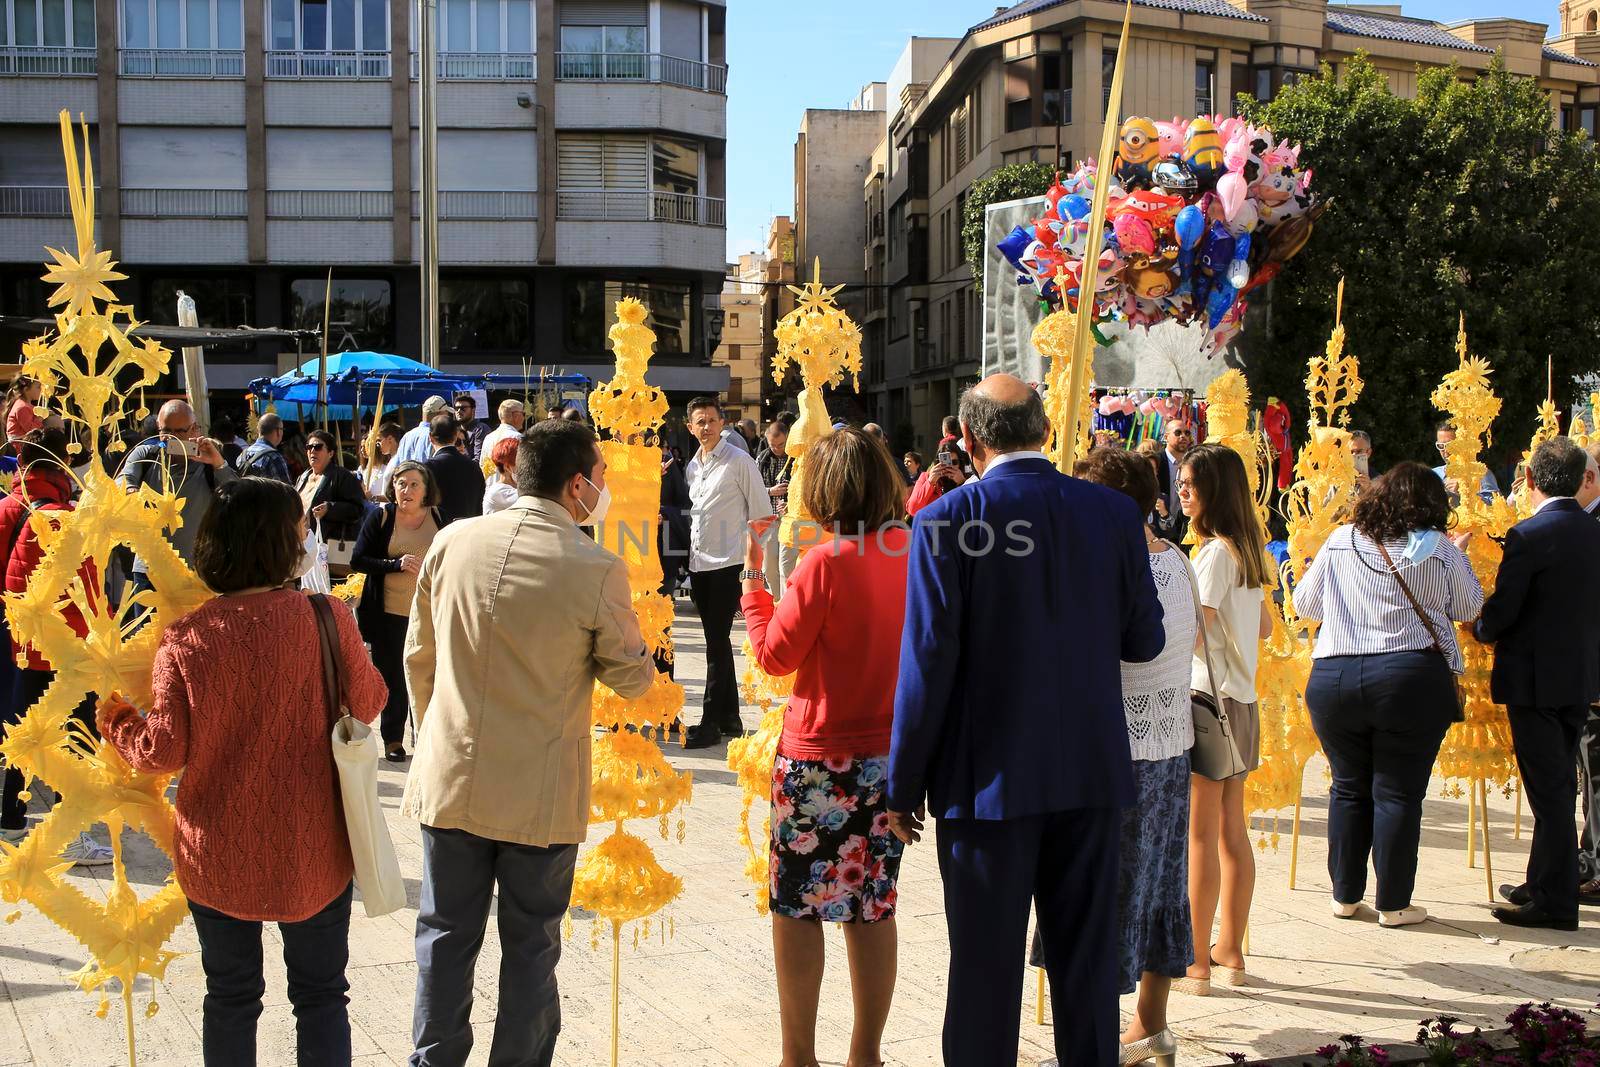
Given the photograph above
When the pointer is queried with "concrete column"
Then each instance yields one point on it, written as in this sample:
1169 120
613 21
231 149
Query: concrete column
255 129
400 124
1088 114
108 174
544 123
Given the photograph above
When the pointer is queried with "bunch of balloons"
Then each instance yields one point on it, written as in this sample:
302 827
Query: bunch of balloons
1201 212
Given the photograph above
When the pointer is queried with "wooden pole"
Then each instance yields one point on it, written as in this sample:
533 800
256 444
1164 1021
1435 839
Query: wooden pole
1244 942
1488 860
616 988
1038 1008
1294 835
1472 825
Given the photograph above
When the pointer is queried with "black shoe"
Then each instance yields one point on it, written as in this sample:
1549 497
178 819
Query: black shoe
1533 916
1589 892
396 753
701 736
1516 894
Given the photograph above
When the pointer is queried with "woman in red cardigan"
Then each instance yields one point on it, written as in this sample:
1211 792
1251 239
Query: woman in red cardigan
260 834
837 629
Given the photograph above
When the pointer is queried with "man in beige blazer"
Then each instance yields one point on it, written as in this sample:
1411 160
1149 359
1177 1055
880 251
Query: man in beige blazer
517 615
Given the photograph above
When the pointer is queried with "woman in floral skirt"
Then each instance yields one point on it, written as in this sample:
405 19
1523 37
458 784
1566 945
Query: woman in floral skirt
837 629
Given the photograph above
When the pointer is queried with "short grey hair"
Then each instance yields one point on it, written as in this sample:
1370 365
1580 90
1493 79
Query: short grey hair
508 408
1001 427
1361 435
269 423
1556 467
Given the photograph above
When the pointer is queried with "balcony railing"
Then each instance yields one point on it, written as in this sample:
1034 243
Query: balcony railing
183 203
1202 103
641 67
181 63
640 205
48 62
341 65
494 205
481 66
34 201
330 204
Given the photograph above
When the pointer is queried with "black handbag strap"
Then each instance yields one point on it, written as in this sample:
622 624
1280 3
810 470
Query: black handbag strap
1427 623
328 638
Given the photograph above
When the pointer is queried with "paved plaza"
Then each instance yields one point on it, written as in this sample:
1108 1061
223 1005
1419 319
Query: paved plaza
704 995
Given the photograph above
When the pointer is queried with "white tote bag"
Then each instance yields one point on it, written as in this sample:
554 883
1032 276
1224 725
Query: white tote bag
355 757
316 579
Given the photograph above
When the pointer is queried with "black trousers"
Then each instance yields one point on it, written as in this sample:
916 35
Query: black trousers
315 952
716 598
28 687
1380 719
1546 743
388 640
1066 864
1589 783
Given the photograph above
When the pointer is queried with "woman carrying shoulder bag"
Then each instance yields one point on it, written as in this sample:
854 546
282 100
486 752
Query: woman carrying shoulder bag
260 830
1231 573
1383 691
389 551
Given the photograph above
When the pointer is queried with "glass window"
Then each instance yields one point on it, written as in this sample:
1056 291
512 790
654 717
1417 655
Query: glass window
55 23
591 312
483 315
361 317
733 324
1108 70
488 22
1052 78
374 26
313 25
676 166
581 38
1019 95
135 23
458 25
625 39
344 25
169 24
283 25
26 13
198 24
1205 75
1263 83
1586 120
82 24
218 301
230 33
519 26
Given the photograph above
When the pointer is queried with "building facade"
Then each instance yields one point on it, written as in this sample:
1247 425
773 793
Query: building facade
740 350
1031 83
242 148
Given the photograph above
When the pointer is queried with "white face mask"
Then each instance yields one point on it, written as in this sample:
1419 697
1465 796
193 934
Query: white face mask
597 514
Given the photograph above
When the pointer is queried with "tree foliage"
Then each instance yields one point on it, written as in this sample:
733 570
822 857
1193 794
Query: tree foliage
1010 182
1465 200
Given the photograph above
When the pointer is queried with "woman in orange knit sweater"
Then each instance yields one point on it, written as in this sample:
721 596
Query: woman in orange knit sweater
260 834
837 629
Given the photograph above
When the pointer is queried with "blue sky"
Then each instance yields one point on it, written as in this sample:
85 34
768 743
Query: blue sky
784 58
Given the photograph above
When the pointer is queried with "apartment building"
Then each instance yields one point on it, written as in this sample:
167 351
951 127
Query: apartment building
1031 83
740 347
242 148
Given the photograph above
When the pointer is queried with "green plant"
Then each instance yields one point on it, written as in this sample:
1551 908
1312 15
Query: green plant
1010 182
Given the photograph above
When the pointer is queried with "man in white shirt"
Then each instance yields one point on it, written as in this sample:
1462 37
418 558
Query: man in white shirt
415 445
513 417
727 494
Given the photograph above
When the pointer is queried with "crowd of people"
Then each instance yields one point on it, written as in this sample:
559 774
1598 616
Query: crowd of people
1034 660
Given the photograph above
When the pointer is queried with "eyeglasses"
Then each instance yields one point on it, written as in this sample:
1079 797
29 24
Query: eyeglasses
1443 446
1185 485
316 446
179 431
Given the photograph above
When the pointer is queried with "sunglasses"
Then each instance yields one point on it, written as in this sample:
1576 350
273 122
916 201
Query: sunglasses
316 447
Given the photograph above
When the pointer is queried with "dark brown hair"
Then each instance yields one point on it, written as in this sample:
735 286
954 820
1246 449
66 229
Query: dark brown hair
850 483
1127 472
1406 497
324 438
430 486
1217 476
250 536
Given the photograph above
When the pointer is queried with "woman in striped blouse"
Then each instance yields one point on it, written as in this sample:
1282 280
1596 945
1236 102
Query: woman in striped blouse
1381 694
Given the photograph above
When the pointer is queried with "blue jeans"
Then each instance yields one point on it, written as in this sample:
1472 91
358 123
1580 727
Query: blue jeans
315 951
1380 719
460 872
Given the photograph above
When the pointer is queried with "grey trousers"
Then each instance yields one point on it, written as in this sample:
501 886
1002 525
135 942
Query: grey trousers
460 872
1589 787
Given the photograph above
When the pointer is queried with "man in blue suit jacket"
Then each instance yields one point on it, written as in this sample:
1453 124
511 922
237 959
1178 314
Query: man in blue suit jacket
1544 621
1025 591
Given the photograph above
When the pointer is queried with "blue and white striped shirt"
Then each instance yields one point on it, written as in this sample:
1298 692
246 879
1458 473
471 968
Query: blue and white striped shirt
1365 612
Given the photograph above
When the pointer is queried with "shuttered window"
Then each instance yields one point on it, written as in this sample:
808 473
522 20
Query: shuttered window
604 13
589 162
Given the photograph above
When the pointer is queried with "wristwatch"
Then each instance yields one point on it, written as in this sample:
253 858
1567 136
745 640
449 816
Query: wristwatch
748 575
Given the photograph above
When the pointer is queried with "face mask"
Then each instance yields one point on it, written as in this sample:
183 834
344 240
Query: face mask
597 514
310 549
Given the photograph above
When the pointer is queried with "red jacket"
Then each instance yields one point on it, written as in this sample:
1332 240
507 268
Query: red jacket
42 490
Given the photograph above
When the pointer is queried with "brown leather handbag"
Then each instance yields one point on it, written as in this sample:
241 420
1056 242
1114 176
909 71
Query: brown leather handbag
1427 624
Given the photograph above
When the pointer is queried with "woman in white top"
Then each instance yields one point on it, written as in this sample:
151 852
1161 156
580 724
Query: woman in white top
375 473
1381 693
501 491
1232 571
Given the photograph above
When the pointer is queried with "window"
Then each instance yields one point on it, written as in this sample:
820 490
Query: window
675 166
1240 79
1019 94
613 52
484 315
1263 84
591 312
1592 23
218 301
1108 70
50 23
1205 85
596 162
1586 120
961 222
186 24
733 324
489 26
1056 71
1566 118
361 318
327 25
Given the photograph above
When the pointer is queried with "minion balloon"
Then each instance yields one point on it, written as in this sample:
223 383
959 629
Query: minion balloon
1202 151
1138 148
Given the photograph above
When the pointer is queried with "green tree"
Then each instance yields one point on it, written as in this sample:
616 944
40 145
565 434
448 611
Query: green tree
1010 182
1463 201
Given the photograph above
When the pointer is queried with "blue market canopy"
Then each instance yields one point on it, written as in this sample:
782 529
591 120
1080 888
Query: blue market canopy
355 377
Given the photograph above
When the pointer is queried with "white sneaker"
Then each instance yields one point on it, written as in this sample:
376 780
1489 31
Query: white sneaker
1404 917
87 852
1345 911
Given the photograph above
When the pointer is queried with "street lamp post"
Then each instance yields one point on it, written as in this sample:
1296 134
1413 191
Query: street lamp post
427 86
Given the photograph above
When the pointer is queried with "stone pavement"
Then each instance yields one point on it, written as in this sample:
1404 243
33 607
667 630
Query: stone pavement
704 996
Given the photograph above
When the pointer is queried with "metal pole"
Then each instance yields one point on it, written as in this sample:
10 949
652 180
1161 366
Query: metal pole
427 86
